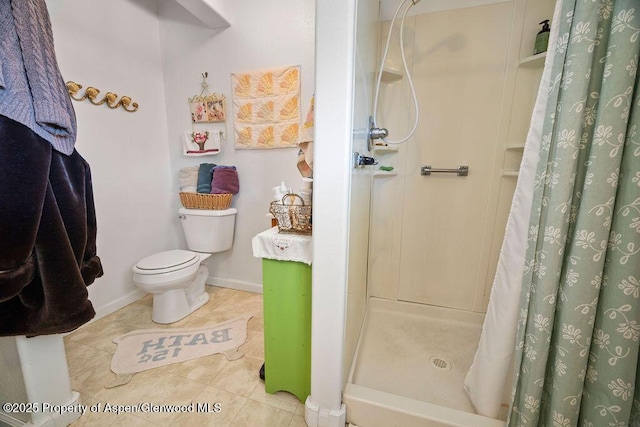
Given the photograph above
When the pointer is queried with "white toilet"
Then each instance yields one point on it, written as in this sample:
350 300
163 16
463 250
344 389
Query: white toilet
177 278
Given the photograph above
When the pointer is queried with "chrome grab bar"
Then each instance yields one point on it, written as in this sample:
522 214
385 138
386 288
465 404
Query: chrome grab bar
460 170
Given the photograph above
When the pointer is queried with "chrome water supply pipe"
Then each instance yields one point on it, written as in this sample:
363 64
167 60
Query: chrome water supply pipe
377 132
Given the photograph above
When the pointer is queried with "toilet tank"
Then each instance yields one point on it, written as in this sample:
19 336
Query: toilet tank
208 231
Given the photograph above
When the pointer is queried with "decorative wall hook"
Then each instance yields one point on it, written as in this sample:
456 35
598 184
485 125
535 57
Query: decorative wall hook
111 98
92 94
125 101
73 88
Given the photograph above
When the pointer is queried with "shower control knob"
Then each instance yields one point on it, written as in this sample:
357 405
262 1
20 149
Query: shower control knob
378 133
360 160
366 161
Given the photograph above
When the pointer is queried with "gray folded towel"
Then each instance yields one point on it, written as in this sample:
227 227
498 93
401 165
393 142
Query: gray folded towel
205 174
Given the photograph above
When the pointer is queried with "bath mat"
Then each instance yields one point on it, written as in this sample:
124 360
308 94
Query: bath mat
151 348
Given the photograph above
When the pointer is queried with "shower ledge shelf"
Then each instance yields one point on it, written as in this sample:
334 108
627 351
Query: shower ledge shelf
206 12
385 148
390 75
510 173
534 60
381 174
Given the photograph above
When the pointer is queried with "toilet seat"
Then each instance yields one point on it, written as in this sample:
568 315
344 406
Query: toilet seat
167 262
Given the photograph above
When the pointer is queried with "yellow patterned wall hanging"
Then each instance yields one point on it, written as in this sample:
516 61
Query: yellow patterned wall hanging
266 108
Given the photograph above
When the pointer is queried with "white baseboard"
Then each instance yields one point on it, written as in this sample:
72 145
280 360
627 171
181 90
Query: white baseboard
235 284
48 419
136 294
119 303
10 421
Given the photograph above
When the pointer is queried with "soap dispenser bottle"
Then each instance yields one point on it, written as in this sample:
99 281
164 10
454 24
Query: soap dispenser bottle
542 39
279 192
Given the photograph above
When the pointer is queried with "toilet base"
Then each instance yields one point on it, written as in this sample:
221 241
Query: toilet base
176 304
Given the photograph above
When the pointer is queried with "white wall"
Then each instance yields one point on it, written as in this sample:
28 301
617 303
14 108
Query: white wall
155 52
335 43
262 35
389 7
114 46
456 81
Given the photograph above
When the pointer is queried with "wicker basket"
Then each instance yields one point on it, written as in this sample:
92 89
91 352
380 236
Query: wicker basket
293 215
206 201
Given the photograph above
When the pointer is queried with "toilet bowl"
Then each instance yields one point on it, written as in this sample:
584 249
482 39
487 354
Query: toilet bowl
176 278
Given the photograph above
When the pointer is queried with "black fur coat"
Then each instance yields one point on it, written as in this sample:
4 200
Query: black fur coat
47 235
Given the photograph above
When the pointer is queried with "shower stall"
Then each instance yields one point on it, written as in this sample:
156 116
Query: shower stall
414 315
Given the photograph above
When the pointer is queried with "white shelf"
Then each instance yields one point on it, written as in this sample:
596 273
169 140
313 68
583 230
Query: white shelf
384 173
533 61
510 173
515 147
385 148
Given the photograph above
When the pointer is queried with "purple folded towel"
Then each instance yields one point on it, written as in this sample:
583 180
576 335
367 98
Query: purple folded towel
225 180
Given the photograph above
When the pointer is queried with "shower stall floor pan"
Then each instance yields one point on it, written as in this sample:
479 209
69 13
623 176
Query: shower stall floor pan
410 365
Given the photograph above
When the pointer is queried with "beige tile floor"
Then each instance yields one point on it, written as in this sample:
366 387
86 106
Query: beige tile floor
235 385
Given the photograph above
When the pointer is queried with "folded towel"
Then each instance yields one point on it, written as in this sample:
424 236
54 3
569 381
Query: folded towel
225 180
205 172
201 143
305 154
305 159
188 178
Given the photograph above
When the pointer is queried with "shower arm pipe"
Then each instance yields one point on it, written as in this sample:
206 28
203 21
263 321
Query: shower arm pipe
406 71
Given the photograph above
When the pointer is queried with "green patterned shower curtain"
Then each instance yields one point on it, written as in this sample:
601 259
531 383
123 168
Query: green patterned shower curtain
579 330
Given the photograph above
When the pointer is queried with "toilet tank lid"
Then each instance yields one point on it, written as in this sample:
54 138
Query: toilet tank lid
168 259
208 212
